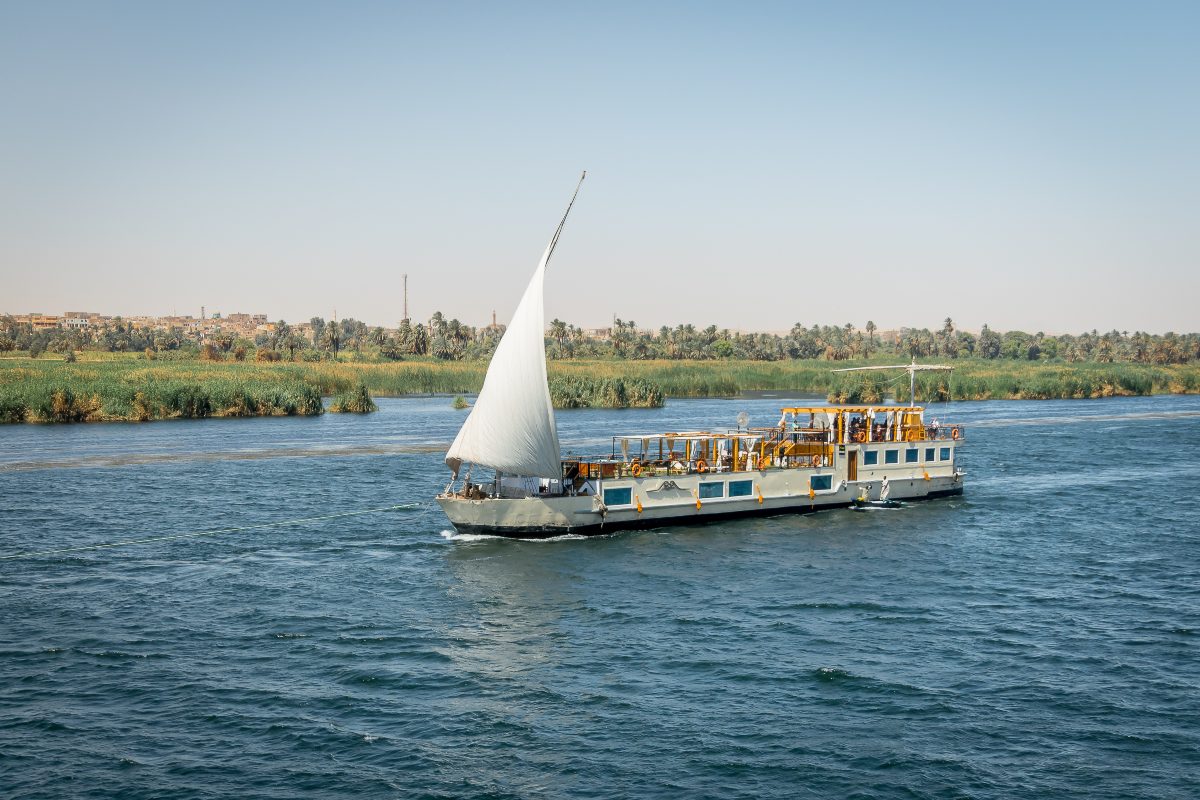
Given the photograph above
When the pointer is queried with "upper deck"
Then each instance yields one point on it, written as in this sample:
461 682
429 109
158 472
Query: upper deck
804 437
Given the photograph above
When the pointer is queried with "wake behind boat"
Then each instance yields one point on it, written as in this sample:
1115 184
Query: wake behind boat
814 457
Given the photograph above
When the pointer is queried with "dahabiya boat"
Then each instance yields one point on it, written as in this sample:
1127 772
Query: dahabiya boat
814 458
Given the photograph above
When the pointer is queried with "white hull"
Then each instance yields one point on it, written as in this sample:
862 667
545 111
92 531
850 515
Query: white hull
655 501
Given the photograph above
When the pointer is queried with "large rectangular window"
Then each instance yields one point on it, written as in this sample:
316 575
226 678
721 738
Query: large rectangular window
821 483
618 497
910 455
931 454
945 454
712 489
870 458
741 488
891 457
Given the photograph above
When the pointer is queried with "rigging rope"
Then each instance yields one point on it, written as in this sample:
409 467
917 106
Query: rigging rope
194 534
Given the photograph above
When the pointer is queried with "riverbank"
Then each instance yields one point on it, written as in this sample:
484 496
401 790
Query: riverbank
131 389
135 389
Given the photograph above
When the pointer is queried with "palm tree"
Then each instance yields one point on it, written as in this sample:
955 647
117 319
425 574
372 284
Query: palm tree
333 339
558 331
293 342
420 341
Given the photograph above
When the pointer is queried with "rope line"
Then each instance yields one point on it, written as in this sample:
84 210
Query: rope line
195 534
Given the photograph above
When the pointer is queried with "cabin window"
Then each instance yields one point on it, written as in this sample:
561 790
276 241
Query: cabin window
618 497
945 454
741 488
821 483
930 454
891 457
910 455
870 458
712 489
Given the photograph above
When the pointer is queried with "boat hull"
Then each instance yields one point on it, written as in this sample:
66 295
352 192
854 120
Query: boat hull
777 492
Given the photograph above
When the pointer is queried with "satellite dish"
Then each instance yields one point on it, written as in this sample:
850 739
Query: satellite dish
743 419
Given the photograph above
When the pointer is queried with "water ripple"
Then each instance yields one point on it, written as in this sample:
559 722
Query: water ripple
1035 638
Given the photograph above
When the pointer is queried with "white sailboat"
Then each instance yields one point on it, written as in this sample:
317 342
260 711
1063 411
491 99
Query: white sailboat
814 458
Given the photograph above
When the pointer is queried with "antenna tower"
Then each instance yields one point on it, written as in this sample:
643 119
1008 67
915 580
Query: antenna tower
406 295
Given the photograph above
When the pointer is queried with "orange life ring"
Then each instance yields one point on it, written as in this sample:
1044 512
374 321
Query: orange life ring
860 436
816 461
954 433
702 466
762 463
636 469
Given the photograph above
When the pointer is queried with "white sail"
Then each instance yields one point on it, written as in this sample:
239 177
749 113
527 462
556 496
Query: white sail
511 427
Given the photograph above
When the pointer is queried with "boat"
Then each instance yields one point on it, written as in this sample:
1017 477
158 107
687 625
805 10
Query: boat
813 458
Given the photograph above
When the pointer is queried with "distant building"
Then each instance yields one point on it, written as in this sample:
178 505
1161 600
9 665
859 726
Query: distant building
43 322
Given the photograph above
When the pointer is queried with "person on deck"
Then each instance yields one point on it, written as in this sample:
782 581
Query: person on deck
883 493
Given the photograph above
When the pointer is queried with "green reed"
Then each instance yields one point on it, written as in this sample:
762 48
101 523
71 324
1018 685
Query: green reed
133 388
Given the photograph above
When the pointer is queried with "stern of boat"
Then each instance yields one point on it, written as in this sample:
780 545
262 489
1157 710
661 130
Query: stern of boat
520 516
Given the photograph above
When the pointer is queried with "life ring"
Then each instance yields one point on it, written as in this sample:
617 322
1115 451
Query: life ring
816 461
702 466
954 433
860 436
636 469
762 463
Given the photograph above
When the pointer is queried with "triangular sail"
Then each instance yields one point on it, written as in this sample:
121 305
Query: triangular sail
511 427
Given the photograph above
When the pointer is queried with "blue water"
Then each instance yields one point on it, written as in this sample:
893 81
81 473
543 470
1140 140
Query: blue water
1037 637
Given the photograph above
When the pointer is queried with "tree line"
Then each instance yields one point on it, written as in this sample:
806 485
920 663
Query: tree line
452 340
840 343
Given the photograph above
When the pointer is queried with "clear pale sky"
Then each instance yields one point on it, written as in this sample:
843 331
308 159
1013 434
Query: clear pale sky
1027 165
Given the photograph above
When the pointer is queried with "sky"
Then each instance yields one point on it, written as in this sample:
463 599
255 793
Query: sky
1032 166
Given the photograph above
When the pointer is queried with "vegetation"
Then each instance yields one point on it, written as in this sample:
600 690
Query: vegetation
356 401
444 340
460 403
102 387
45 391
577 391
987 380
118 372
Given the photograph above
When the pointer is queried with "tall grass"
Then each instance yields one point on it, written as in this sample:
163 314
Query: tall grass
53 391
46 390
356 401
577 391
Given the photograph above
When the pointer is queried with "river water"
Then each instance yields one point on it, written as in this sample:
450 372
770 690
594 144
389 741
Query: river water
1037 637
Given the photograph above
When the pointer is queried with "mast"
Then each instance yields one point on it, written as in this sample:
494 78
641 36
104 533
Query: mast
911 368
563 221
